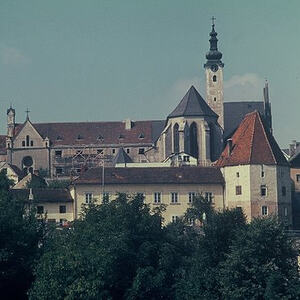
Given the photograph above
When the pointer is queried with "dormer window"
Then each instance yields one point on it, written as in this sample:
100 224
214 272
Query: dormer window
59 138
79 137
100 138
121 136
141 136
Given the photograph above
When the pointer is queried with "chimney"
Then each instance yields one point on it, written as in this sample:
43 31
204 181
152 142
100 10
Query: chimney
229 143
128 124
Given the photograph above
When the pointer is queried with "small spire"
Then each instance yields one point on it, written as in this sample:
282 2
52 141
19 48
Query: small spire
213 21
27 114
213 56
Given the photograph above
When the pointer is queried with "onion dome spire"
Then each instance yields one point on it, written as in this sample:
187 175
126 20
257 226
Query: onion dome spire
213 56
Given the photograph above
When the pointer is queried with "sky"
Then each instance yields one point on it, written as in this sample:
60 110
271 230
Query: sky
97 60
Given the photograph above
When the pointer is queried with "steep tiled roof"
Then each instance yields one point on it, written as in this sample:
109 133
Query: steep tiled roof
192 104
234 112
44 195
99 133
165 175
122 157
252 143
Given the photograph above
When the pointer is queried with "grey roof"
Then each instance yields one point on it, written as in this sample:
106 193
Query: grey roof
234 113
157 128
146 175
43 195
121 157
192 104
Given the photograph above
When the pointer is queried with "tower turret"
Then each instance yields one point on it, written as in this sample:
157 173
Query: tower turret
11 122
267 107
214 76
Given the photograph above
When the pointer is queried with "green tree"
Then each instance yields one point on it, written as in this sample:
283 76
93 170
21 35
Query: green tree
201 210
21 237
116 250
201 279
261 264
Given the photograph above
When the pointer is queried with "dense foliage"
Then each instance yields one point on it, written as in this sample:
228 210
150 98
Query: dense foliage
21 236
121 250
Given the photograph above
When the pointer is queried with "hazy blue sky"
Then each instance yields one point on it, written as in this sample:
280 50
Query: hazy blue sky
79 60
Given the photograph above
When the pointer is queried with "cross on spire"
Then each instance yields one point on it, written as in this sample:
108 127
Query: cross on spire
213 19
27 113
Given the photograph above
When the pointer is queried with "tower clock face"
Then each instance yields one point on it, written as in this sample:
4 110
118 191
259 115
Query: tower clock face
214 68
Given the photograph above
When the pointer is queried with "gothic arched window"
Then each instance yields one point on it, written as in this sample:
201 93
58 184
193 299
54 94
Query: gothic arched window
214 78
27 140
176 138
193 140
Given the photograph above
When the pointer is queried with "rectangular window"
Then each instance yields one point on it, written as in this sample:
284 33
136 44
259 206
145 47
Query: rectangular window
62 209
58 153
186 158
105 197
59 171
51 221
264 210
238 190
40 209
191 196
298 177
209 196
283 191
141 150
263 190
191 221
113 151
175 219
88 197
78 170
174 197
285 211
157 197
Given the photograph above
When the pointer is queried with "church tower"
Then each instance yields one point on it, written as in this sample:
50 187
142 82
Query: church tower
11 122
214 76
267 107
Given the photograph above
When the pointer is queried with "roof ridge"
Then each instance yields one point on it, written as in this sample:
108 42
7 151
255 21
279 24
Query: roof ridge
268 142
188 99
252 134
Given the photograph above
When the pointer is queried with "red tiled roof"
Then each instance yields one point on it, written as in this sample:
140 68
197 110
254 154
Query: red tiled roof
164 175
252 143
99 133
